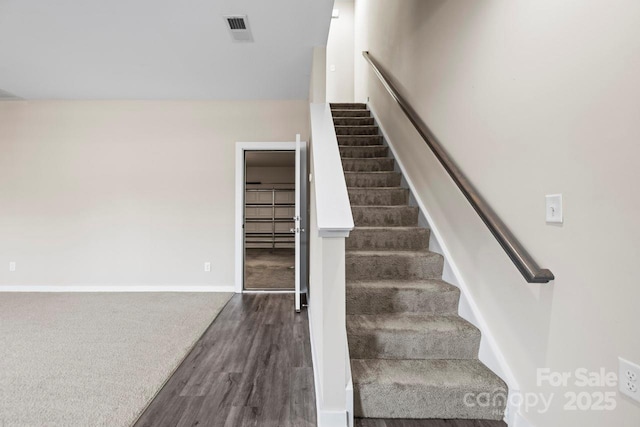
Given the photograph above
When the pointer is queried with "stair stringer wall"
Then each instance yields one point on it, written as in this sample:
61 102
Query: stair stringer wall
489 353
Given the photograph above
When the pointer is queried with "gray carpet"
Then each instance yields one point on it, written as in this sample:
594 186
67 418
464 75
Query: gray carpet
93 359
412 356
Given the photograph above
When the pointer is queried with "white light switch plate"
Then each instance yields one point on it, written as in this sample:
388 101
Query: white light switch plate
554 208
207 267
12 266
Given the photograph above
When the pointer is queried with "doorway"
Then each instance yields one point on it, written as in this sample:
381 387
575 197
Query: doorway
269 210
271 218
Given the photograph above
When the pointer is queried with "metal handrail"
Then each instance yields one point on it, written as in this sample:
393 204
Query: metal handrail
518 254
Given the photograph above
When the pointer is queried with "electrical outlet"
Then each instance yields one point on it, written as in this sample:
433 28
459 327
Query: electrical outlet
628 378
207 267
12 266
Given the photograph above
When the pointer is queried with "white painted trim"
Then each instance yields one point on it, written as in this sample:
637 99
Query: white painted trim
117 288
493 356
349 388
324 418
521 421
275 291
241 147
333 210
337 233
314 363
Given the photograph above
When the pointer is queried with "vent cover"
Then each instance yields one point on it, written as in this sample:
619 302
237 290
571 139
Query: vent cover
238 26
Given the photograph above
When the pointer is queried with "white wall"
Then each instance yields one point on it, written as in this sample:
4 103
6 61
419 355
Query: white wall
340 54
126 192
530 98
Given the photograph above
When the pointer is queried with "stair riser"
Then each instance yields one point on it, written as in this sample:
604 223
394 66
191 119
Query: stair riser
353 121
367 165
413 401
348 106
406 216
359 141
357 130
426 344
379 196
378 179
364 152
388 239
350 113
388 267
388 301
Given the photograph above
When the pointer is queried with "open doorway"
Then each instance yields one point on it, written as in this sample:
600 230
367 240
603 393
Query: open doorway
269 210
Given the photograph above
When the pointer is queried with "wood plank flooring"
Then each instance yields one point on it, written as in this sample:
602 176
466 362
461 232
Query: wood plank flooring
252 367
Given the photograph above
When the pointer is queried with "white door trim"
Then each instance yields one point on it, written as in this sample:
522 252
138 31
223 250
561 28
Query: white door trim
241 147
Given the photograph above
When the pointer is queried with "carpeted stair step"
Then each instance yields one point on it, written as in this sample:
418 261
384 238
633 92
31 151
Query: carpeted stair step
356 130
363 152
348 106
395 296
353 121
388 239
348 112
381 216
368 165
395 265
373 179
359 140
411 336
378 196
425 389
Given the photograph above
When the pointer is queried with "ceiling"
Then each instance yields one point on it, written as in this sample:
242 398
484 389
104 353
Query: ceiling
158 49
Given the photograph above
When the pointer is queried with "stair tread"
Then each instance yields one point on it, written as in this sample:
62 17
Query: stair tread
407 254
360 147
359 136
468 373
377 188
373 172
410 322
368 158
356 126
383 207
349 109
417 228
427 285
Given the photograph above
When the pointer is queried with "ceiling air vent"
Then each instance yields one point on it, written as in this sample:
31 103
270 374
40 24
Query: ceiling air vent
238 26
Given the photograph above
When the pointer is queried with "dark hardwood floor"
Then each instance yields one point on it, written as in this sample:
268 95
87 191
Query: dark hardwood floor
360 422
252 367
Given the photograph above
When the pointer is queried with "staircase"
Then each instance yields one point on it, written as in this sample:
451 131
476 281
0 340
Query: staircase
412 356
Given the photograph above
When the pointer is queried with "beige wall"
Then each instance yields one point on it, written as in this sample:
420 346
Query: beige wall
530 98
119 193
340 54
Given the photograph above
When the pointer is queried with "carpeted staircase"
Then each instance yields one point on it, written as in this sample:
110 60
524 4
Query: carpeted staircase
412 356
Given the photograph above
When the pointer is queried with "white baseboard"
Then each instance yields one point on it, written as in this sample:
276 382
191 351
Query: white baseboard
117 288
521 421
490 353
332 419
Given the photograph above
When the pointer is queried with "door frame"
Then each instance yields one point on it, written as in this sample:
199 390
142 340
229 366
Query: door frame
241 147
